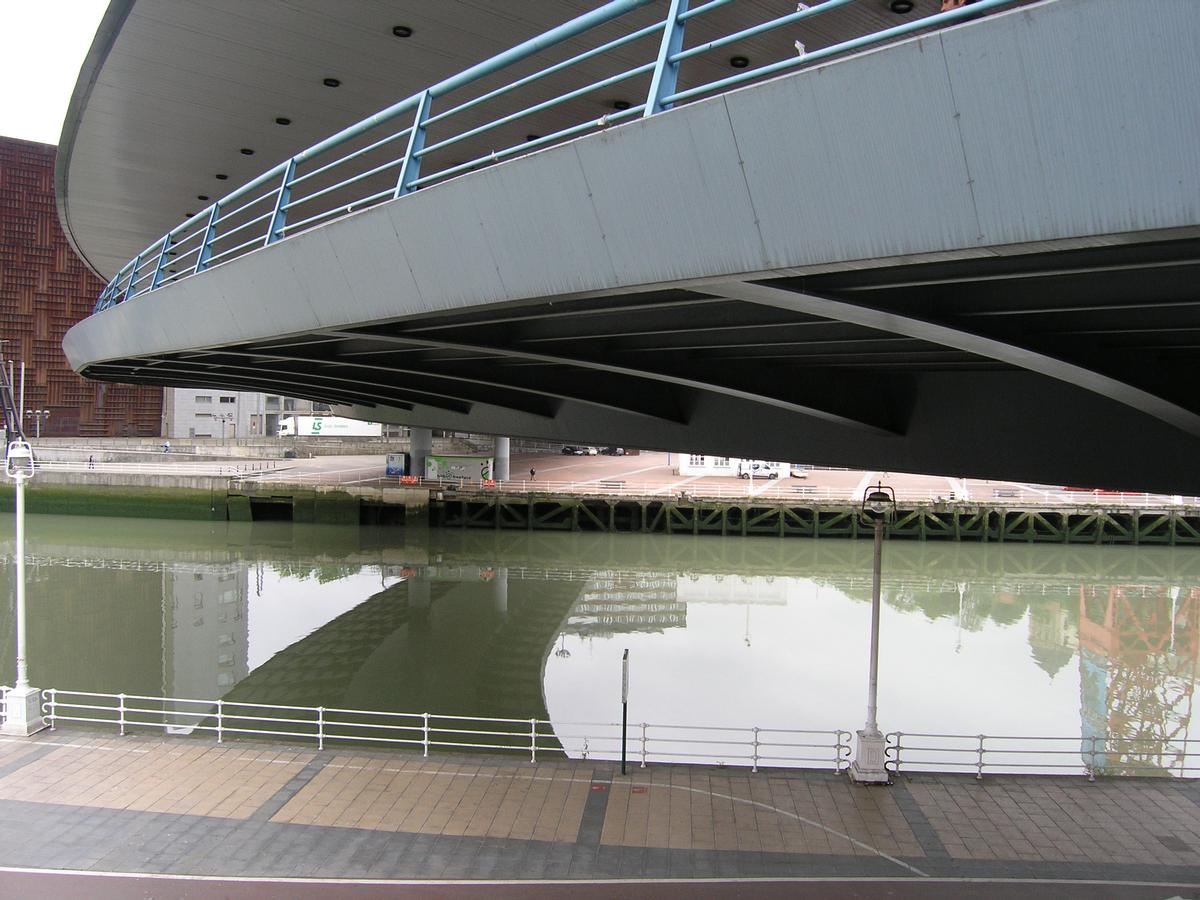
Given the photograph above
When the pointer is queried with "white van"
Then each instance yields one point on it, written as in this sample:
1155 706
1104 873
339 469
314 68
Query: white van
758 468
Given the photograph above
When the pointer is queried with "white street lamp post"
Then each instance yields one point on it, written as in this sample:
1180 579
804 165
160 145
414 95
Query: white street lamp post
878 507
23 709
39 416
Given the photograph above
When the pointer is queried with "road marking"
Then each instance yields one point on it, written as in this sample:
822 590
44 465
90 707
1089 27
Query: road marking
860 489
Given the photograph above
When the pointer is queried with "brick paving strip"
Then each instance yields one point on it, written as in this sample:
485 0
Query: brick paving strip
77 800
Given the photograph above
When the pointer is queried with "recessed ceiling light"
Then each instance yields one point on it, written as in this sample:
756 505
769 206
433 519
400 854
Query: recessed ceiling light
739 62
222 177
900 7
202 196
188 215
283 120
330 82
621 104
246 151
401 31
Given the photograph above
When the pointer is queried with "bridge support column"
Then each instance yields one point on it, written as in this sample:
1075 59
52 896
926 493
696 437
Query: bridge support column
500 466
420 446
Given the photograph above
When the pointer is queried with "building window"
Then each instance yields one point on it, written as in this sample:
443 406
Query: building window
289 405
204 398
695 460
229 399
721 462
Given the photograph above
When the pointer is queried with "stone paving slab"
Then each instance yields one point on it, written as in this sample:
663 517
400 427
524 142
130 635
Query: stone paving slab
74 799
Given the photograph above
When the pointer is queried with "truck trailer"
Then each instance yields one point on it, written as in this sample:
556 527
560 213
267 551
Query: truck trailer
327 426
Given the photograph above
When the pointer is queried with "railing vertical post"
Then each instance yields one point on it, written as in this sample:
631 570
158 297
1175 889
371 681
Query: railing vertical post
137 261
533 740
320 728
220 721
643 765
121 713
162 260
1091 769
425 738
754 761
979 764
899 741
52 711
279 218
662 84
210 232
410 169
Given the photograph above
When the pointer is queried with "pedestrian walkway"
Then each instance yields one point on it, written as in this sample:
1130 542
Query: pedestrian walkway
76 799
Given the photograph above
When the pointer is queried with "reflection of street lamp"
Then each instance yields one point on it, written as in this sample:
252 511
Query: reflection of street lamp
562 652
24 704
39 416
878 508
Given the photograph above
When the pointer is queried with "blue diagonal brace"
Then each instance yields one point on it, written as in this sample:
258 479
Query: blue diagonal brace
168 238
410 169
665 71
210 232
279 218
137 261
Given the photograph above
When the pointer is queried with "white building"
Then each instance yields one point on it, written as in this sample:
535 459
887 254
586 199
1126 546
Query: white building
216 413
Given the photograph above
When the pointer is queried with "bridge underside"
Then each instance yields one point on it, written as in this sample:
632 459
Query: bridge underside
915 367
917 304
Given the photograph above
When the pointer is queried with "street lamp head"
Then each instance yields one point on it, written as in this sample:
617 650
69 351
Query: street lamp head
879 504
18 464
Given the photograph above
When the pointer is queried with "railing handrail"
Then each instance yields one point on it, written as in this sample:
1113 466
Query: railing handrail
596 739
145 272
526 735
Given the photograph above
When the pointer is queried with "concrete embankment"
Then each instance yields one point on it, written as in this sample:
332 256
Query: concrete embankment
207 498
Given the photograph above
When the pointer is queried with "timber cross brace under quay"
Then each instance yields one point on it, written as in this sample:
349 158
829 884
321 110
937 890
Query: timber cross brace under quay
959 521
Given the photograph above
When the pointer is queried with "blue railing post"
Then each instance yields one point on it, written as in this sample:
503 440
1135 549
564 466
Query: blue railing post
162 261
137 261
210 232
410 169
662 84
279 219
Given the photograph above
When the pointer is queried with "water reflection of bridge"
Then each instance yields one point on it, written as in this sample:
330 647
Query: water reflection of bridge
464 623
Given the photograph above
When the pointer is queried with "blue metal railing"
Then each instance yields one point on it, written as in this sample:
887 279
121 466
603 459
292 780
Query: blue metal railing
317 185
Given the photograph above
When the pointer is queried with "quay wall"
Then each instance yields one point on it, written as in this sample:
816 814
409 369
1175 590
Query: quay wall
209 498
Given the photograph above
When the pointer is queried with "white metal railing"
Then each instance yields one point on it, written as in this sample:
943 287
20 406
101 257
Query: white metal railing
752 747
137 468
647 742
1090 755
4 689
723 745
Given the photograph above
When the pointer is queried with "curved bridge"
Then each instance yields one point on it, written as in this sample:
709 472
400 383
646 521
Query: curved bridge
974 250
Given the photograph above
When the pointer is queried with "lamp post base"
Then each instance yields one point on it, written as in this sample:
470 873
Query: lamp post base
868 767
23 712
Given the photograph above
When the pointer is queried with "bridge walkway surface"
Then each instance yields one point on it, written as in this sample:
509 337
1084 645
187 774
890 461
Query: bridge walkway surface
86 802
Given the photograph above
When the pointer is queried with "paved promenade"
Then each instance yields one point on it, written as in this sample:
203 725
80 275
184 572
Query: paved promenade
82 800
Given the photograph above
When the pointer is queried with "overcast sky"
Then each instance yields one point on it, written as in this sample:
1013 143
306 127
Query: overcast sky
42 45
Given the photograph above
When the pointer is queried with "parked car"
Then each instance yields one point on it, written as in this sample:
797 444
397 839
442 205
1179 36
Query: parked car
589 451
798 470
613 451
574 451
